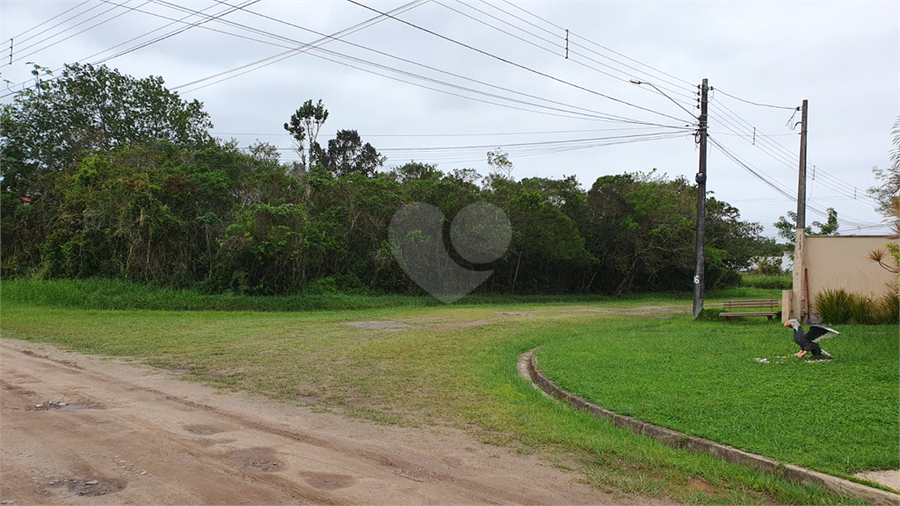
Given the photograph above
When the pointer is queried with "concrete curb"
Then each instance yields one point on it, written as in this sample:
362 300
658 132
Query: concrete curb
529 370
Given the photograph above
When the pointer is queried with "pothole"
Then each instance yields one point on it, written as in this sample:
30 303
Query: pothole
202 430
62 405
328 481
89 487
258 459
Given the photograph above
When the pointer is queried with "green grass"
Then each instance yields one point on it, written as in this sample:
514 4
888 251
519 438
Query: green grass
446 365
702 378
768 281
99 293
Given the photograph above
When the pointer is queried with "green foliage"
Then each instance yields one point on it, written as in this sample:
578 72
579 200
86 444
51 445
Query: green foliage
304 128
834 307
107 175
347 154
87 108
771 281
887 194
839 306
787 228
768 266
886 309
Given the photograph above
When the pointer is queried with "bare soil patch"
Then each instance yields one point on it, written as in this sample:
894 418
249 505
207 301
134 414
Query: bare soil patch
159 440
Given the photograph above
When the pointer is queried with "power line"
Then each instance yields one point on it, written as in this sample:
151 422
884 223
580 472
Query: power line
136 9
786 157
296 50
574 112
849 220
232 8
625 79
512 63
159 38
273 59
21 49
757 103
51 19
690 85
578 111
568 112
686 92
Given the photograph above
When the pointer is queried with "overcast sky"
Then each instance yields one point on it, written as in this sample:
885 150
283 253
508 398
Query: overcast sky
445 81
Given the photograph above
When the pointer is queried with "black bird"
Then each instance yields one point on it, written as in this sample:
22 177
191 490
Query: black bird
809 341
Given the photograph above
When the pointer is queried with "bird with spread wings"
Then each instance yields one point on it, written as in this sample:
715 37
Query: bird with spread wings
809 341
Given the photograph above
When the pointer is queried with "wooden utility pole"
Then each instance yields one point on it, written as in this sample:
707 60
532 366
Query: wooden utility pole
701 202
801 189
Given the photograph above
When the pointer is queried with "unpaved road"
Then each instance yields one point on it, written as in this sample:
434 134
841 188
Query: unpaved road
78 429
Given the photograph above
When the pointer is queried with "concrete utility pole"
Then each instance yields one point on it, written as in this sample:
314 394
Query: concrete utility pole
799 296
701 202
801 189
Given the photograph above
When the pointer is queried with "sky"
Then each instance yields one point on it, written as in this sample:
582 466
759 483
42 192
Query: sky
551 84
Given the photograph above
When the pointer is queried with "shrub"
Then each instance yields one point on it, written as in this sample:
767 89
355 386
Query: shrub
886 309
861 308
768 266
838 306
834 306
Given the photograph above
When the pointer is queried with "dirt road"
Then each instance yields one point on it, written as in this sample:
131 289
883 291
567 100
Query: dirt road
78 429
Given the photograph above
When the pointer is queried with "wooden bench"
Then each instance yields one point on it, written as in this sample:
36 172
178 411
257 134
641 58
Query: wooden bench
762 307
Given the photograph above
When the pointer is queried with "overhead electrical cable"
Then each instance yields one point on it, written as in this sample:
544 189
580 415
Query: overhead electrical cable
574 37
159 38
183 29
514 64
573 113
685 92
719 90
35 27
624 77
20 57
848 220
301 48
778 152
311 46
381 53
136 9
783 155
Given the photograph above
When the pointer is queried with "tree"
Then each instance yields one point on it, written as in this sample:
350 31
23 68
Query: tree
304 127
787 229
49 126
348 155
500 164
888 194
888 197
641 229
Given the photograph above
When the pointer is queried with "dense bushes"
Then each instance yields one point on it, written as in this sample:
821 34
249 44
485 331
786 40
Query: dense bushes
161 202
839 306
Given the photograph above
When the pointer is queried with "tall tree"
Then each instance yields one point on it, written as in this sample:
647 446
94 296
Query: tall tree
304 127
888 197
787 228
888 193
49 126
348 155
499 162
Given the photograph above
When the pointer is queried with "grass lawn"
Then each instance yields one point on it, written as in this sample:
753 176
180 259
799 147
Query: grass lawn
421 364
702 378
